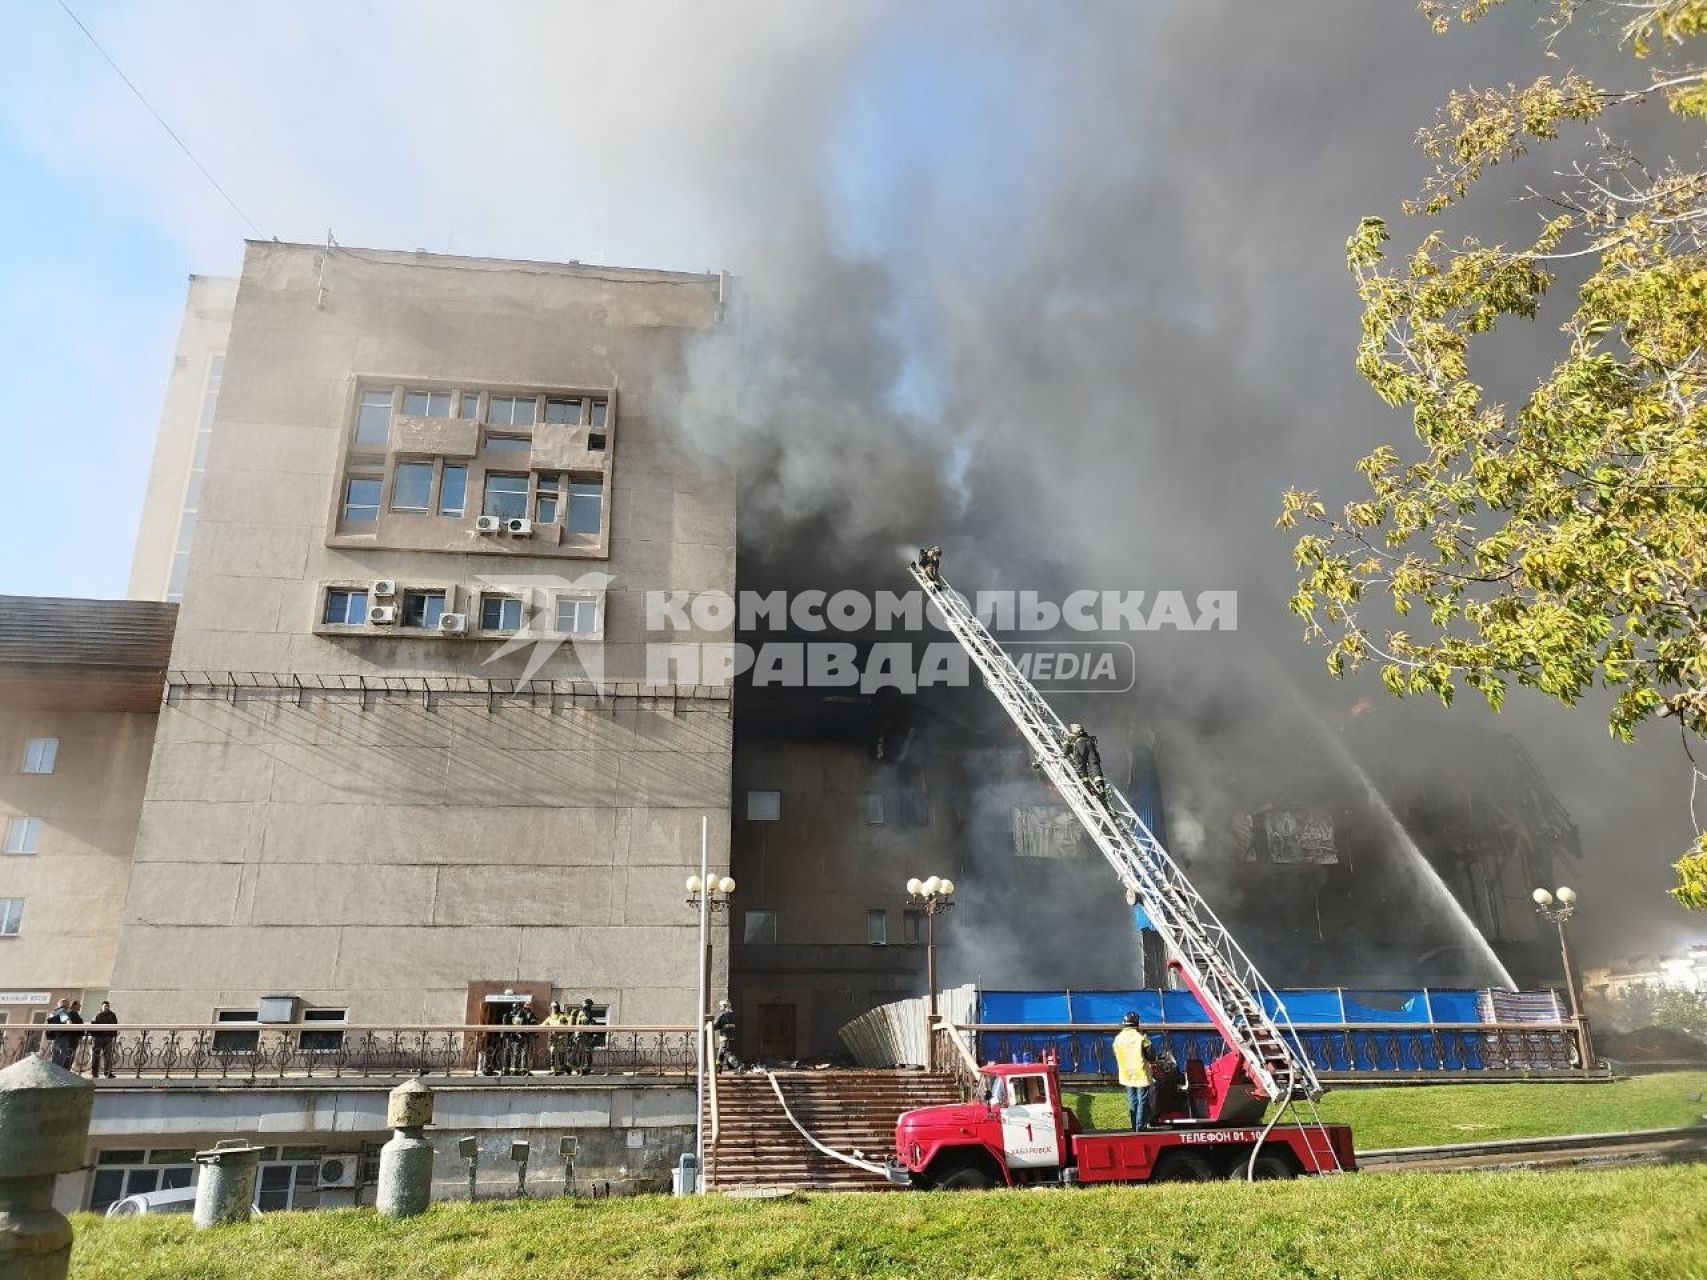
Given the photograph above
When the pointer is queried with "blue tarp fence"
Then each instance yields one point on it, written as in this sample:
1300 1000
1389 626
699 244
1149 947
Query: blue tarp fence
1341 1030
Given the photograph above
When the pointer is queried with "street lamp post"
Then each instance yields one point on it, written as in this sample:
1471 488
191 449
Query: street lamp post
1556 908
934 896
706 894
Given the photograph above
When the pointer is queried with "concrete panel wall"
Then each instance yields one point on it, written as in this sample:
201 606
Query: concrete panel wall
381 854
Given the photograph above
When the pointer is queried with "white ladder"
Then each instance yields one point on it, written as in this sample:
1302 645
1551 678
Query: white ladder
1233 993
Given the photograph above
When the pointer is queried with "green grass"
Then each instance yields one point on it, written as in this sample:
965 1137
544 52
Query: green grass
1429 1115
1628 1224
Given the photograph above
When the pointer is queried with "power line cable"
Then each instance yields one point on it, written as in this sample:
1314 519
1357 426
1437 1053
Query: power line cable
170 131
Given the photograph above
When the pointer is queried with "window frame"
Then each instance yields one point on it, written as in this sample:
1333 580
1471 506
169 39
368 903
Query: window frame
41 755
445 470
502 599
22 836
753 793
579 600
912 927
250 1020
322 1022
11 916
430 393
873 808
349 594
363 403
768 922
486 492
543 494
428 596
879 916
345 506
414 466
586 490
512 399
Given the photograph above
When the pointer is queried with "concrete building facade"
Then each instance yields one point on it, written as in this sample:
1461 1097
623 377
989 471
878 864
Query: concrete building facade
437 492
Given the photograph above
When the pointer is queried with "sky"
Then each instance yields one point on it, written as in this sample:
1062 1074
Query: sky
1068 278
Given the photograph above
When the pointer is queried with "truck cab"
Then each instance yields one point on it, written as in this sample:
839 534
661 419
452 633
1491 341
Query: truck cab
1020 1132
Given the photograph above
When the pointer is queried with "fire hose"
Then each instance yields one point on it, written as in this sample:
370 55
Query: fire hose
855 1161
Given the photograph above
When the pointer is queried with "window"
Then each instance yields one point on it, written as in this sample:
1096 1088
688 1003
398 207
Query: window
163 1170
236 1041
361 499
586 506
507 444
40 754
468 405
758 927
373 418
874 808
877 927
577 616
427 404
411 486
22 834
11 916
345 608
453 491
321 1039
599 413
545 505
506 495
423 608
500 613
912 928
563 409
510 411
764 806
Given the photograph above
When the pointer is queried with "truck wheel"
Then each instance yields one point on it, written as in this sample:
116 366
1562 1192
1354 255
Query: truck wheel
1269 1168
967 1180
1184 1166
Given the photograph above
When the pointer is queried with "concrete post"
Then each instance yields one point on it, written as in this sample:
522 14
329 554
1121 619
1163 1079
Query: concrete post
44 1131
225 1188
406 1162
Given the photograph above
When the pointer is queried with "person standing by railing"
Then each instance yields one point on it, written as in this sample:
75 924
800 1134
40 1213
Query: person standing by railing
63 1044
101 1042
560 1049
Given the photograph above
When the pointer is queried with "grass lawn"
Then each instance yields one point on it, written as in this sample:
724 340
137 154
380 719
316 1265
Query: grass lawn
1427 1116
1627 1224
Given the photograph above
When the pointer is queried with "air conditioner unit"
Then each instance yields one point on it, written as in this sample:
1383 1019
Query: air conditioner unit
453 624
488 524
382 615
338 1171
518 526
385 588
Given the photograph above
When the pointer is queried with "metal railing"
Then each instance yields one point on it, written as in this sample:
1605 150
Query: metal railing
257 1053
1340 1051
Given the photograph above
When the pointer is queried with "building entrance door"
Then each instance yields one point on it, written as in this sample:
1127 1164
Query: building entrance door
776 1031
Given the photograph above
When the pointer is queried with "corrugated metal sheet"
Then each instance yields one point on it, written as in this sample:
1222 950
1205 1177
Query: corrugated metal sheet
50 631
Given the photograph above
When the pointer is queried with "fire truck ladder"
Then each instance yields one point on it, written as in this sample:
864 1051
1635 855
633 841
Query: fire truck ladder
1241 1004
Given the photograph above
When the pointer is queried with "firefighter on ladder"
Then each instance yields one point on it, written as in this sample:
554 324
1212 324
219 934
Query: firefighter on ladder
930 563
1080 748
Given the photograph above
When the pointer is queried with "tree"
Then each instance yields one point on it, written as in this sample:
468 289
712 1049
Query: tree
1561 543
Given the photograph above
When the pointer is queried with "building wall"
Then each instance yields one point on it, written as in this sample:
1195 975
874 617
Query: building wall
821 868
73 886
377 851
161 556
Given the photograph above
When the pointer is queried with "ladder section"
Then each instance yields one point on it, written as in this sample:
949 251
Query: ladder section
1235 996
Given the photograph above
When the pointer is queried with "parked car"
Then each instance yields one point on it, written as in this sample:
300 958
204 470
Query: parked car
172 1200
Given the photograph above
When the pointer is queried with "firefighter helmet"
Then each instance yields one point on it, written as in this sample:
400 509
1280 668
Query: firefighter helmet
1131 1018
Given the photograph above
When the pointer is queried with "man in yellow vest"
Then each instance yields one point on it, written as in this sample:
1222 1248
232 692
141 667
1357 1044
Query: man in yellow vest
1131 1056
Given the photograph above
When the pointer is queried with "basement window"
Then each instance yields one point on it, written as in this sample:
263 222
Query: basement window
40 755
245 1041
758 928
764 806
316 1036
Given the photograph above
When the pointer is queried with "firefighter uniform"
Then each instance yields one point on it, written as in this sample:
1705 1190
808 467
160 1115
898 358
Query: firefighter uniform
559 1040
581 1052
1132 1058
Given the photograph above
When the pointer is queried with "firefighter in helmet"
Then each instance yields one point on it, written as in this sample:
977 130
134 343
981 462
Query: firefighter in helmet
724 1025
1081 751
581 1051
1135 1059
930 563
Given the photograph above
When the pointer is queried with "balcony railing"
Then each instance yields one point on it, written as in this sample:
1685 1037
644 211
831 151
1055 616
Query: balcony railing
256 1052
1341 1051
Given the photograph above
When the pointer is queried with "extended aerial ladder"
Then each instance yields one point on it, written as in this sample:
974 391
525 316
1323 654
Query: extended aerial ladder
1241 1004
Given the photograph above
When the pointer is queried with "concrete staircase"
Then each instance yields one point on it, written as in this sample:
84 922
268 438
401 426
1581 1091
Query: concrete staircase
847 1111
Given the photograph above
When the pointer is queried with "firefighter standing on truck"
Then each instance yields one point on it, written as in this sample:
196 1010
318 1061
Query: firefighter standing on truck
1132 1058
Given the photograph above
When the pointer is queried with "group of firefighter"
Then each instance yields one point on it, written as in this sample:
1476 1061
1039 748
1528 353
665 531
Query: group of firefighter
509 1052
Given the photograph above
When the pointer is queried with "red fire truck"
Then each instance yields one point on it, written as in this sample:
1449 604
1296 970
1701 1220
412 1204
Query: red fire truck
1209 1117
